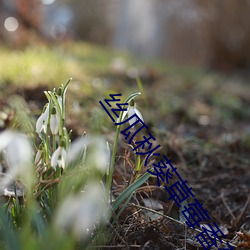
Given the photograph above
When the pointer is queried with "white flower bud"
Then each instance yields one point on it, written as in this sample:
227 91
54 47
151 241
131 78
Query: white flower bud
54 121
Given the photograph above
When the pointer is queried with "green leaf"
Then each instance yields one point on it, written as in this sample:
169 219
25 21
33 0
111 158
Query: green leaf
122 209
128 191
39 222
11 237
132 96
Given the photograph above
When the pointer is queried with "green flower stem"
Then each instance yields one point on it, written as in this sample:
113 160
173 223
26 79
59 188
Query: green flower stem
54 142
112 164
140 86
66 137
118 128
138 163
65 87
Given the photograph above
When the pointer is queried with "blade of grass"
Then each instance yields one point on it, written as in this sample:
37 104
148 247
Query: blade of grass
122 209
128 191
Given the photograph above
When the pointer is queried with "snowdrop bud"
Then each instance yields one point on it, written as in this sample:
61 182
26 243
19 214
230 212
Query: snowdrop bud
39 154
59 91
42 122
79 214
59 157
54 122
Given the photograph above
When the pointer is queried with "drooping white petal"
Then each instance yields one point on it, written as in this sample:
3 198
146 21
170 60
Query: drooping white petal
54 124
38 156
44 127
55 156
42 121
59 157
131 112
46 112
138 113
124 114
39 123
63 159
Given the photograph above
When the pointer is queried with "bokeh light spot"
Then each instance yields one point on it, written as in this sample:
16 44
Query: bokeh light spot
11 24
58 31
48 2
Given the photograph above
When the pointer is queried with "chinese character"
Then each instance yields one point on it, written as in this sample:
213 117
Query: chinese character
138 120
194 214
148 153
159 172
209 236
179 192
114 110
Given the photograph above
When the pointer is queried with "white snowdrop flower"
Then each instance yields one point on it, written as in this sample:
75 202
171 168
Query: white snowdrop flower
79 214
59 157
131 111
98 152
17 152
54 121
39 154
42 121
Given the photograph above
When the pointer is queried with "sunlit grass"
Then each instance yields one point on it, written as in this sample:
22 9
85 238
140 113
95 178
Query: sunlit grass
41 64
51 64
38 65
